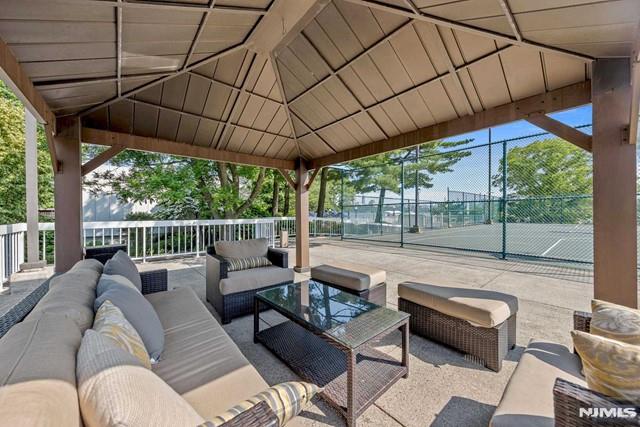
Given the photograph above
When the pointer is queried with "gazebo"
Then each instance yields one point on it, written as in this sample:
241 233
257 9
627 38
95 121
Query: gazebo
297 85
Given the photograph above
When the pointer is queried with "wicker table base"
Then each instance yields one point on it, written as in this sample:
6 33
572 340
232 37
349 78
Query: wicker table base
317 361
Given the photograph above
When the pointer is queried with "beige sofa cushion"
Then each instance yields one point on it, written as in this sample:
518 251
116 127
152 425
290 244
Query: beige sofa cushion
255 278
114 389
242 248
528 398
352 276
71 294
477 306
200 361
91 264
38 373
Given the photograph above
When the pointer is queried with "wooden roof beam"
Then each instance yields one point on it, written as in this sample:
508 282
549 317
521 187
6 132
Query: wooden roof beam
101 158
561 130
14 76
459 26
162 5
157 145
276 71
201 27
556 100
511 19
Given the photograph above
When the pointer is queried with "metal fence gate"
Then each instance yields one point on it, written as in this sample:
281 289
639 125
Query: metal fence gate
503 197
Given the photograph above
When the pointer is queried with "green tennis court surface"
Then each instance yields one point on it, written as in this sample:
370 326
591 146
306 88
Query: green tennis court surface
570 242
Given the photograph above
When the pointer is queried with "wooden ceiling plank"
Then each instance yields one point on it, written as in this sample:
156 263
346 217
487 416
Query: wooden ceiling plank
168 6
569 134
157 145
187 114
561 99
416 88
352 60
203 23
276 71
235 88
119 49
460 26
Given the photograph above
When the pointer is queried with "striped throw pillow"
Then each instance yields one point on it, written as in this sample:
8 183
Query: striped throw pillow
111 323
286 400
237 264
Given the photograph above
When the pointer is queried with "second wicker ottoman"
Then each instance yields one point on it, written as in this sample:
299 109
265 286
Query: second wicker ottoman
362 280
478 322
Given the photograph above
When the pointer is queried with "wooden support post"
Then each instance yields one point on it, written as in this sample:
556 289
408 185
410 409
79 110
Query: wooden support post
302 217
31 184
614 185
68 195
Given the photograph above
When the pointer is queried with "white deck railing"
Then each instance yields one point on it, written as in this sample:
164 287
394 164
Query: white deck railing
147 240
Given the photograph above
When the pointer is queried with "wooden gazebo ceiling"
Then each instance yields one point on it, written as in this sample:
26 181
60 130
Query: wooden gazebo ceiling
347 74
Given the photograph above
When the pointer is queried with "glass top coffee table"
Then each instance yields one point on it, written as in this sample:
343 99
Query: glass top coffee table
328 340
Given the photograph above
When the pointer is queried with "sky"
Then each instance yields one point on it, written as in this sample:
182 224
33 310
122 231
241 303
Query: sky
471 174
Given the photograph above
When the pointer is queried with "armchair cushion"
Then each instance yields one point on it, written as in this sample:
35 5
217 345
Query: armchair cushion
242 248
237 264
122 265
255 278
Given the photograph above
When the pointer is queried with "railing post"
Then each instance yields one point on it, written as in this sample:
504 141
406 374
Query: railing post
402 204
144 243
341 204
197 240
504 200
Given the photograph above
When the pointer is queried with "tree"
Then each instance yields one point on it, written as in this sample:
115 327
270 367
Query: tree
185 188
12 158
548 167
382 172
550 178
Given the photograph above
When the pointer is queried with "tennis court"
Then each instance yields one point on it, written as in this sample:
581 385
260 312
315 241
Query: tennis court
569 242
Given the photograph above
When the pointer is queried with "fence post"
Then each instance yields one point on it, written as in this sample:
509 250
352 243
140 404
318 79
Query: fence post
341 204
504 200
402 204
197 240
489 192
144 244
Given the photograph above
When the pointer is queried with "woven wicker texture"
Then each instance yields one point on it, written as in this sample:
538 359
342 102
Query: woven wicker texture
489 345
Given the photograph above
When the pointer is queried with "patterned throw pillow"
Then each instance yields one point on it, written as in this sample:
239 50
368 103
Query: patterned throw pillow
286 400
614 321
610 367
111 323
237 264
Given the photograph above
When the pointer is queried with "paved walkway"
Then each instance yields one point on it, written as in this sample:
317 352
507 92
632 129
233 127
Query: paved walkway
443 389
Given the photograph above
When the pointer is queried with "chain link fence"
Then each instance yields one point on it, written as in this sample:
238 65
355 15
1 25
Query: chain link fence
528 196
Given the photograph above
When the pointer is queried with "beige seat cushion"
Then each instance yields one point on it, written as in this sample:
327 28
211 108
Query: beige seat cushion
352 276
114 389
477 306
200 361
38 373
254 278
72 295
242 248
528 398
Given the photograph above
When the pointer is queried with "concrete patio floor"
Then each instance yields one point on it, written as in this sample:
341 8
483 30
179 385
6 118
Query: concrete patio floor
443 388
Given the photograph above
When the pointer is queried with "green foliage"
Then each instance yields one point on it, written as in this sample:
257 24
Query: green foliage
12 158
549 167
552 176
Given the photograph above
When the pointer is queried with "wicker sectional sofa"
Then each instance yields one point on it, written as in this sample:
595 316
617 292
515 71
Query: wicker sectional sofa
547 388
199 361
231 293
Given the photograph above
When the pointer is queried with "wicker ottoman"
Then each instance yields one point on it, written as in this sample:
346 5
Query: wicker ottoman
361 280
475 321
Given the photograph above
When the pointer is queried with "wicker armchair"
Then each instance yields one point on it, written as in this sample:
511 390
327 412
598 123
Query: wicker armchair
232 305
569 398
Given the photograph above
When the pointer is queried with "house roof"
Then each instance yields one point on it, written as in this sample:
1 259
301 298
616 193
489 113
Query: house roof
311 79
